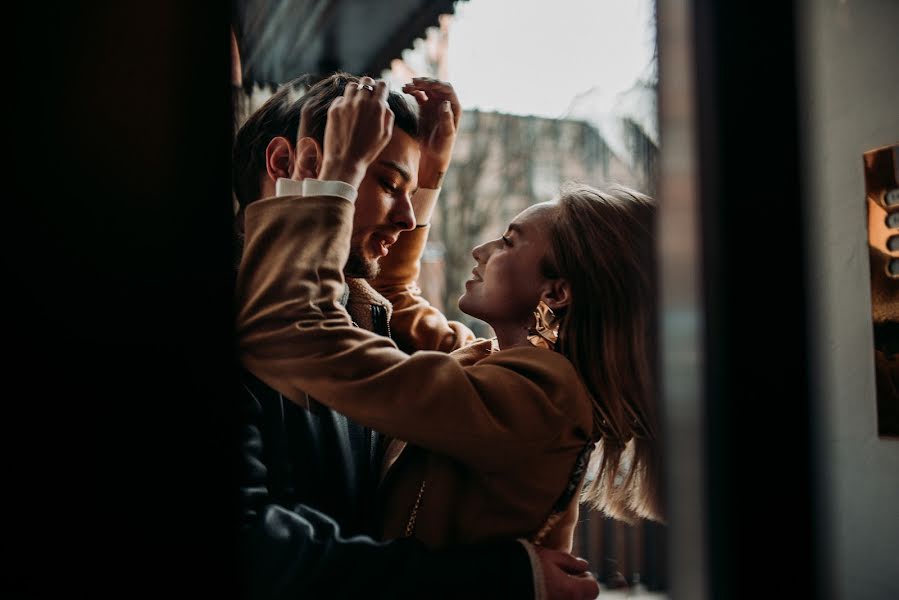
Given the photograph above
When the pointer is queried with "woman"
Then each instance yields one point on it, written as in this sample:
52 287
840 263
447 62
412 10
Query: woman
497 440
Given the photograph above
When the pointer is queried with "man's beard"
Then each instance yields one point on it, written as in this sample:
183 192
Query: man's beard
358 266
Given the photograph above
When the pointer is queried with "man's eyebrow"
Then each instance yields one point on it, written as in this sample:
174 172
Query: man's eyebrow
390 164
516 228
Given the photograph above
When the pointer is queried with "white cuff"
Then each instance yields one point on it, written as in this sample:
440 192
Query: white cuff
315 187
423 203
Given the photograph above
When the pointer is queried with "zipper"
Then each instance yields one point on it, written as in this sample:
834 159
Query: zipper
380 324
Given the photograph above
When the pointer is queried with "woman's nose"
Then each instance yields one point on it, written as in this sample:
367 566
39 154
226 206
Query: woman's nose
477 251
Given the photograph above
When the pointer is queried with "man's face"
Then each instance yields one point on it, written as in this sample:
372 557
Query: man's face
384 207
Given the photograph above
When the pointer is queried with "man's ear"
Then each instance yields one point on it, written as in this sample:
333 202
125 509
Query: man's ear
309 158
279 158
556 294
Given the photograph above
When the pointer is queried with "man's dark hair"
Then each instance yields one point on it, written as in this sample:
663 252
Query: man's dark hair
280 116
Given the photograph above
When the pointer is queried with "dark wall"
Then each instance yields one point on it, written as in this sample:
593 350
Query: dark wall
761 516
119 362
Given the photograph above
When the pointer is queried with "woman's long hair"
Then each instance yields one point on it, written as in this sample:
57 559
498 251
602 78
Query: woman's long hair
603 245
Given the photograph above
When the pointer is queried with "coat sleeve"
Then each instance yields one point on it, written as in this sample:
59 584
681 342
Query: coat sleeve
415 324
294 551
295 336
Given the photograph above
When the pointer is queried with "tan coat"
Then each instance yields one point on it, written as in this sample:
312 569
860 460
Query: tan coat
502 434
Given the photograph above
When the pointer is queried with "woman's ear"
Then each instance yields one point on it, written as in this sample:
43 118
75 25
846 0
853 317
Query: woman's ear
557 293
309 158
279 158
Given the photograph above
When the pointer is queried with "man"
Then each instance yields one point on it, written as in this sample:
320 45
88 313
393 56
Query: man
309 475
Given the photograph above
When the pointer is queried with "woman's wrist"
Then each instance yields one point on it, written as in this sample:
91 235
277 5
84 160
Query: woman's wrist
430 175
351 173
423 203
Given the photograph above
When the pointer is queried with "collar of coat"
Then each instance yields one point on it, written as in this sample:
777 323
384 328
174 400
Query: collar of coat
358 298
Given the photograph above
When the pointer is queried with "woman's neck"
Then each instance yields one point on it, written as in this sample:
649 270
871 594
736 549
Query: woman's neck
509 335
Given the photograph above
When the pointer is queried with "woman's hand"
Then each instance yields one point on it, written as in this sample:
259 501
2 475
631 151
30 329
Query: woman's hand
440 113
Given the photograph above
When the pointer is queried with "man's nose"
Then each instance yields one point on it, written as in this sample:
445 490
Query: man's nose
402 215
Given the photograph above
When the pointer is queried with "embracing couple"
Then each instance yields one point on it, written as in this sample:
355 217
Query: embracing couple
386 451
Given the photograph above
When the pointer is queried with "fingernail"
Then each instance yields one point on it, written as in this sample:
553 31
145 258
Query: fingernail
446 105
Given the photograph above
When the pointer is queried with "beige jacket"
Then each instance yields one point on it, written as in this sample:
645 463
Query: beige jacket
502 434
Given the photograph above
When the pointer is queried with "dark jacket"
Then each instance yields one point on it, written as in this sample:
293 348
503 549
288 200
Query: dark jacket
308 482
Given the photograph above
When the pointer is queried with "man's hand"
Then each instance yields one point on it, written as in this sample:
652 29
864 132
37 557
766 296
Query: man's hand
566 577
360 124
439 121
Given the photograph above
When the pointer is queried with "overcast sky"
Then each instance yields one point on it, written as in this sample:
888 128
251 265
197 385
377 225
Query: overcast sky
535 56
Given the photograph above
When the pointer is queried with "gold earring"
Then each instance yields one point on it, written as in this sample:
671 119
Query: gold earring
545 330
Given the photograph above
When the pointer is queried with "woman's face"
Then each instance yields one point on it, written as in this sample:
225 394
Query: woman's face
507 283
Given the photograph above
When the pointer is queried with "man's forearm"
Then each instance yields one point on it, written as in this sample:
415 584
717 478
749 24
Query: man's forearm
314 561
294 551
